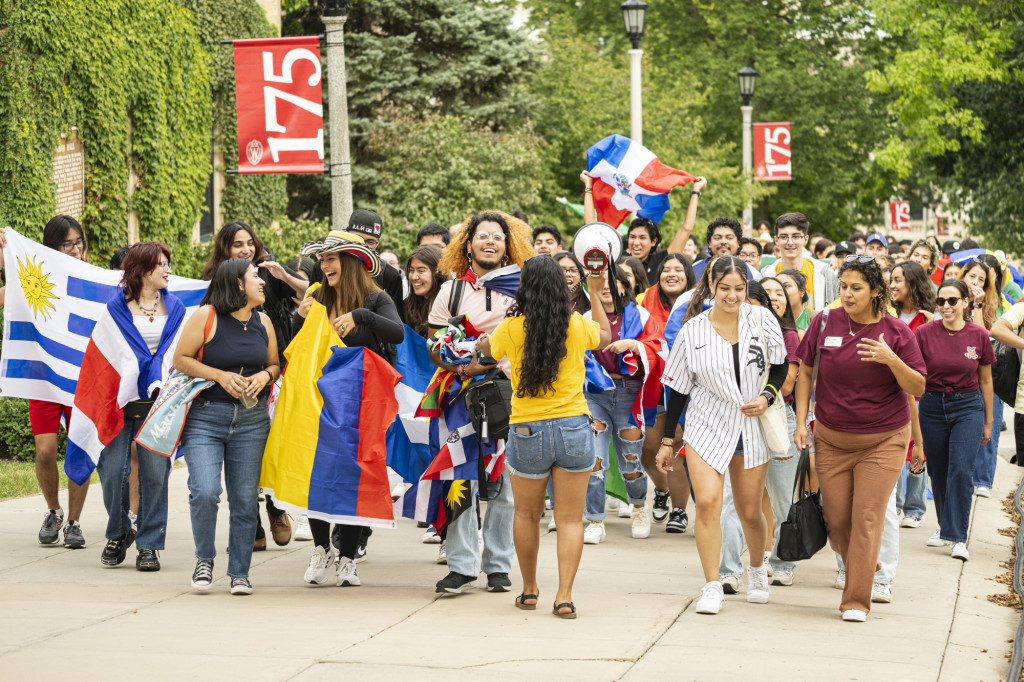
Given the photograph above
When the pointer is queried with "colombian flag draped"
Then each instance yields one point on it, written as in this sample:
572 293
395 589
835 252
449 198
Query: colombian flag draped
326 454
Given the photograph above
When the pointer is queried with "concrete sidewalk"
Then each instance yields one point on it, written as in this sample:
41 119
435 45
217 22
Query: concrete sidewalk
66 617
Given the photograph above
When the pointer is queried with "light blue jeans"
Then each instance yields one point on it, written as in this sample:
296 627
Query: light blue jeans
889 554
220 436
113 469
780 480
912 493
612 408
985 464
463 546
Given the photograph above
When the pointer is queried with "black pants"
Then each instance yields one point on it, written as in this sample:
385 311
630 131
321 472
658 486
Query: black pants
1018 434
349 537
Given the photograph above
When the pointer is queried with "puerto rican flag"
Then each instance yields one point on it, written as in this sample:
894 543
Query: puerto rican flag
629 178
117 368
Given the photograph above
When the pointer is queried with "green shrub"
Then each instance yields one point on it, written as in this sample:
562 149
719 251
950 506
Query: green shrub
16 441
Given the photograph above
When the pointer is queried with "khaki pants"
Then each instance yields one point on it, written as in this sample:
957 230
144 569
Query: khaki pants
858 472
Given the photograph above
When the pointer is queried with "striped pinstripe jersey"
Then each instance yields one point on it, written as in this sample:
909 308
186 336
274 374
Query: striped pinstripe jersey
701 364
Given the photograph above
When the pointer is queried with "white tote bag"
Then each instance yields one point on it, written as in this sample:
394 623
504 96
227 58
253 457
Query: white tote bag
773 420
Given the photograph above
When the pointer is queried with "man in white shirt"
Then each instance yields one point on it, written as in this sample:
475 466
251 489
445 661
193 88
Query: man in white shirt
790 238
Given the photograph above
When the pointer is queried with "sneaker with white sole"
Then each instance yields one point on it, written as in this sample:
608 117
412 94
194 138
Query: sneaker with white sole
442 553
881 593
347 573
840 581
910 522
625 510
659 508
783 578
677 521
241 586
730 584
757 585
431 536
960 551
712 599
49 533
854 616
551 523
641 522
202 577
766 564
935 540
983 491
302 531
320 562
595 533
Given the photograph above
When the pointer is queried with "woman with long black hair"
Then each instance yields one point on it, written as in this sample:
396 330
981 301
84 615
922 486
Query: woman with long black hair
573 271
550 433
424 283
718 360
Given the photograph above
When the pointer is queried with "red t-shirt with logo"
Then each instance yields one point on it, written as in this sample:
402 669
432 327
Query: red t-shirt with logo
953 360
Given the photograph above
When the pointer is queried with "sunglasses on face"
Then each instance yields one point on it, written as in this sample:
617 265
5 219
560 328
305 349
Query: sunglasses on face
951 301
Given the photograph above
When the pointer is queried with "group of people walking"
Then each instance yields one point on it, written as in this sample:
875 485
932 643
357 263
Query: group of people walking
666 361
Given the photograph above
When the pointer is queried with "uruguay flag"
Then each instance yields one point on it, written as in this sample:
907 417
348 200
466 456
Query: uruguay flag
629 178
408 439
117 368
53 303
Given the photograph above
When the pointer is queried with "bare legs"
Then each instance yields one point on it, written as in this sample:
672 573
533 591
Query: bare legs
46 474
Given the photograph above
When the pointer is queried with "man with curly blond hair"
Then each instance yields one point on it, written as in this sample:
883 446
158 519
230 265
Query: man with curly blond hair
485 257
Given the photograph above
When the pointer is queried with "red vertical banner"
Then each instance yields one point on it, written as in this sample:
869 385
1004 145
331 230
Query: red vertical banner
942 226
280 105
772 152
899 215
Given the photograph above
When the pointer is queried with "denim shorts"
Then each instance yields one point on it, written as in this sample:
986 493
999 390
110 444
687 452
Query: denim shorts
566 443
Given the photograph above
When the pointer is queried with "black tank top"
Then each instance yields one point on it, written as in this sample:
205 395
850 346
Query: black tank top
236 347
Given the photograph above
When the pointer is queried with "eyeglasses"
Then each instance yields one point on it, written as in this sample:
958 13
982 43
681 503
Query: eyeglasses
68 246
790 237
951 301
165 266
860 259
485 236
571 271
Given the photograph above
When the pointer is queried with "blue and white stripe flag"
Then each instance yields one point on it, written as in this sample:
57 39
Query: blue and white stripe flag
408 440
53 301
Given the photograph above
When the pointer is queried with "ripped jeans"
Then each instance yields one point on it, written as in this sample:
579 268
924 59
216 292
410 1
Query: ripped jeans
611 409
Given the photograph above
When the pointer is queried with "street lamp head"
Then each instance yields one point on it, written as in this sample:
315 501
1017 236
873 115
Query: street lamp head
747 77
634 13
335 8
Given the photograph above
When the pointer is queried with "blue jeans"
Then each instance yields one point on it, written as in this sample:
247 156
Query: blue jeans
612 408
566 443
154 470
985 465
952 426
912 493
225 436
463 546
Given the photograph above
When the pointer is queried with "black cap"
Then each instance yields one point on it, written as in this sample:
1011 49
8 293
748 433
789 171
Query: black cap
844 247
950 246
365 222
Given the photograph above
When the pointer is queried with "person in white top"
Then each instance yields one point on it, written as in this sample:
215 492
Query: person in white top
719 359
790 239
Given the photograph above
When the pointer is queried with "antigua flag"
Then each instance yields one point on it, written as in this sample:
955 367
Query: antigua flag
408 440
629 178
117 368
53 304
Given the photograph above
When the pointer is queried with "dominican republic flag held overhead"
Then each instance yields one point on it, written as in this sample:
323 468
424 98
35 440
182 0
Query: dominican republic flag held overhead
629 178
408 440
53 303
117 368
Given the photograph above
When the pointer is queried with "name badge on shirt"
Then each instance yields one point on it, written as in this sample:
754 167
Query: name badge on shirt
833 341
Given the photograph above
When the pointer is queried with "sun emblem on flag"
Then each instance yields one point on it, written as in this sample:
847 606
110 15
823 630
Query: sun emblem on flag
36 286
621 183
456 494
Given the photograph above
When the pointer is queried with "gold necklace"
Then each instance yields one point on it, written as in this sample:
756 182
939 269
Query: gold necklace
850 327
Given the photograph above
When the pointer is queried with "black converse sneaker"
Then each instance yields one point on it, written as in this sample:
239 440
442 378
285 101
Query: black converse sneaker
659 510
202 577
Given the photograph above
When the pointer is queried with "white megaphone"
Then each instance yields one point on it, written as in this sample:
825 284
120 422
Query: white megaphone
597 245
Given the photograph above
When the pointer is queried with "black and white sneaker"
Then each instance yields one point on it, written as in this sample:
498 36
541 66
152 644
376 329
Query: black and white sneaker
659 510
455 583
677 521
202 577
498 582
73 538
116 550
241 586
361 553
49 533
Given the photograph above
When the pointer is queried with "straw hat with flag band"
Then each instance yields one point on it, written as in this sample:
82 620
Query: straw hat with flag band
343 242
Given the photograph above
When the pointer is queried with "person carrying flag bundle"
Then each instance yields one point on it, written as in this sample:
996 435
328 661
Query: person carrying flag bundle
485 255
128 357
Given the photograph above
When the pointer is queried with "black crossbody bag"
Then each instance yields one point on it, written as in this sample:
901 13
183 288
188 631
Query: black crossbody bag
488 412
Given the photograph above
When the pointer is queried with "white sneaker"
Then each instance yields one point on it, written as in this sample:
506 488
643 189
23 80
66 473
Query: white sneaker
935 540
302 531
641 522
881 593
767 565
319 563
548 504
594 534
625 510
712 599
784 578
854 616
347 573
757 585
730 584
960 551
551 523
899 515
431 536
910 522
442 553
840 583
983 491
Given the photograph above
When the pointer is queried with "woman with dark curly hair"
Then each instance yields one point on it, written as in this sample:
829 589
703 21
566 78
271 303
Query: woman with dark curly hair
424 283
867 361
550 433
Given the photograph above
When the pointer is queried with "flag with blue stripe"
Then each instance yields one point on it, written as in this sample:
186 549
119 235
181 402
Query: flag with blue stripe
408 440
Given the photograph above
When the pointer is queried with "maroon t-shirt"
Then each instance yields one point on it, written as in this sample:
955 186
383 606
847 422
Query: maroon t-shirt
953 360
792 341
854 395
607 359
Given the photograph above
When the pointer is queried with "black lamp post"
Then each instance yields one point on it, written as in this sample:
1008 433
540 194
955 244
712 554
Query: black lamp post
634 14
748 78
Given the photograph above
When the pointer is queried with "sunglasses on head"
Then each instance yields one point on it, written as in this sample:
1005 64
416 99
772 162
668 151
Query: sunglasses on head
852 258
951 301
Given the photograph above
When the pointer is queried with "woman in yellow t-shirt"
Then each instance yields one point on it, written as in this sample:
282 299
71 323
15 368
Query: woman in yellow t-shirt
550 434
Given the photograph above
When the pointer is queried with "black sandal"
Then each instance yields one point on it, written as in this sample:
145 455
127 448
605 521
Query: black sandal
521 602
570 616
